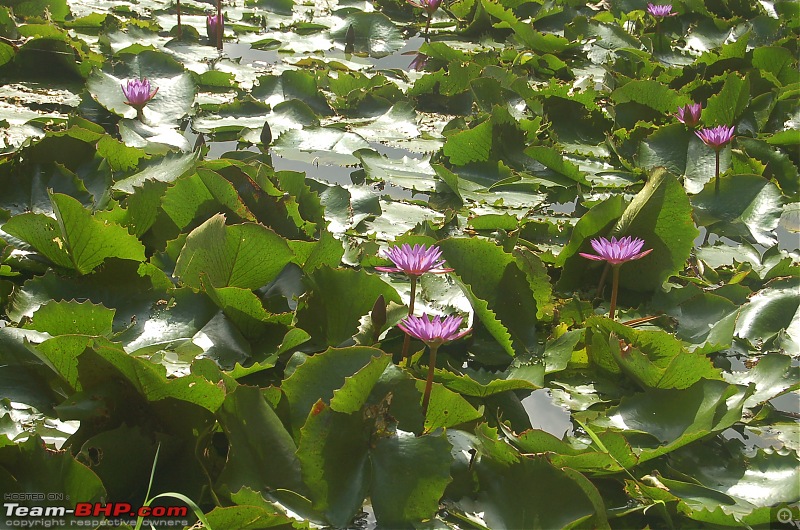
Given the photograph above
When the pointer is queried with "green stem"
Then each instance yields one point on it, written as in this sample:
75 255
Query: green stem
426 397
716 176
428 27
658 35
407 340
614 287
603 280
220 25
180 29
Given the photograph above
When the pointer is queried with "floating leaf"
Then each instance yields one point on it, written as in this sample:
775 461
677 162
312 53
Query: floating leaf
652 94
654 359
673 418
661 215
246 255
320 376
517 490
166 169
411 174
745 205
332 325
262 453
29 465
482 383
334 459
772 314
409 475
374 33
68 318
773 376
74 239
176 89
681 152
495 277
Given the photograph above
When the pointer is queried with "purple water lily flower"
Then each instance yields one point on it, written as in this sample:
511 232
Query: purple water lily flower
430 6
415 261
617 251
214 24
689 115
716 137
137 93
434 332
660 10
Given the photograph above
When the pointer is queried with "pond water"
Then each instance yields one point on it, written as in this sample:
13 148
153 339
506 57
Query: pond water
531 129
546 415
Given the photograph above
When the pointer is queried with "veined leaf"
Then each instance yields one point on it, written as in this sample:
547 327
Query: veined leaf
74 239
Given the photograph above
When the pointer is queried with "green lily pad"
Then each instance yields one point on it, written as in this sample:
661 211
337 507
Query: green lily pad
232 256
324 145
673 418
409 173
745 205
74 239
176 90
771 315
773 376
374 33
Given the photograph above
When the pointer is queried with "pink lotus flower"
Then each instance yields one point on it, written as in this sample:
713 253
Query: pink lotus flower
689 115
137 93
434 332
430 6
617 251
214 24
716 137
660 10
415 261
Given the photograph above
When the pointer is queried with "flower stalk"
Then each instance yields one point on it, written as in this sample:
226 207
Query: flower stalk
614 288
180 28
430 7
426 396
220 25
407 339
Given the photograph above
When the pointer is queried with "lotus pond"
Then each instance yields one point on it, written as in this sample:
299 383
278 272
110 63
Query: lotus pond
206 297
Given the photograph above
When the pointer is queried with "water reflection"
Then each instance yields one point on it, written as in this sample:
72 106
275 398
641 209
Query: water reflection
333 174
246 54
547 416
787 240
399 59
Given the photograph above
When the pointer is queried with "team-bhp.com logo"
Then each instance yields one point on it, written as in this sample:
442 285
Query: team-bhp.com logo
17 515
